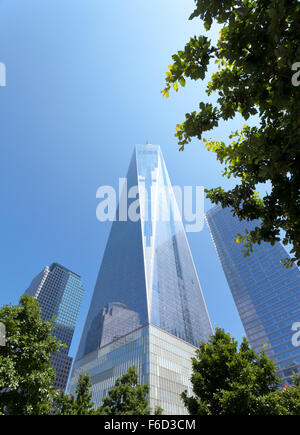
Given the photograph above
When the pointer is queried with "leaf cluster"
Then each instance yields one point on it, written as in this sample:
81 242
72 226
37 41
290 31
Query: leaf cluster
231 380
26 376
259 43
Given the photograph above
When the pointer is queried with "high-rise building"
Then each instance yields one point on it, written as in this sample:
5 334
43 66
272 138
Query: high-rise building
59 293
267 295
147 309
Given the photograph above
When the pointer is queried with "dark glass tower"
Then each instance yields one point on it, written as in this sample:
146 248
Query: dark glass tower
147 308
266 294
59 293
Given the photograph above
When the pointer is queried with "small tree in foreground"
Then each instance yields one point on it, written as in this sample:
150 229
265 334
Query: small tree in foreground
127 397
81 403
228 380
26 376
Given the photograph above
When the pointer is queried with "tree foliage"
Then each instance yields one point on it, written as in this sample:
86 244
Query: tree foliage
26 377
231 380
127 397
81 403
258 47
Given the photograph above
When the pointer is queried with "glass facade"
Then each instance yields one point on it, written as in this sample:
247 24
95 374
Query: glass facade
147 275
161 359
59 293
267 295
170 368
175 300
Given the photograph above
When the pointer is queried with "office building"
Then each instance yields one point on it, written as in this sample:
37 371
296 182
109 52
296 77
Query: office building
267 294
59 293
147 309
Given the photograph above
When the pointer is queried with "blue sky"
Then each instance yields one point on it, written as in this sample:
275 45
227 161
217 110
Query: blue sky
83 87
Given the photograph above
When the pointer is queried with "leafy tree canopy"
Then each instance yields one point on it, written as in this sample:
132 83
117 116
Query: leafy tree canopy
81 403
256 53
231 380
127 397
26 377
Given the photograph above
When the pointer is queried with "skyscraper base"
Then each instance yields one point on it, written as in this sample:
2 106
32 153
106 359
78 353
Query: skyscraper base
161 359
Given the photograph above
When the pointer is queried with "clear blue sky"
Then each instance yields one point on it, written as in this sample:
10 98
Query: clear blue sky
83 87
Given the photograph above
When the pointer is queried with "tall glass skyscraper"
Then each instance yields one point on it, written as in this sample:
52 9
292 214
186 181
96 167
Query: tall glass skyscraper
267 295
147 308
59 293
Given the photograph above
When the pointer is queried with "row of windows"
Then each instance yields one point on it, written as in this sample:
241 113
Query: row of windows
285 296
